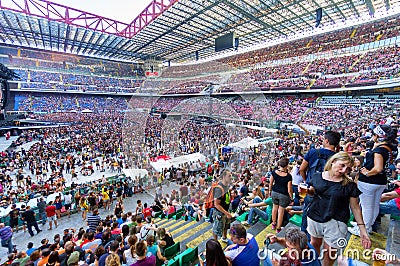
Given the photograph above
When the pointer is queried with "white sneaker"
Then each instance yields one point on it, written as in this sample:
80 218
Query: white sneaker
354 224
245 223
354 230
224 240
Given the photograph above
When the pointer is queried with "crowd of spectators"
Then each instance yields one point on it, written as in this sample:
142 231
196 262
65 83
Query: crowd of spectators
340 39
24 58
111 142
46 103
285 69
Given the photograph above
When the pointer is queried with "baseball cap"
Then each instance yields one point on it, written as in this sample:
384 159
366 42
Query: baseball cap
73 258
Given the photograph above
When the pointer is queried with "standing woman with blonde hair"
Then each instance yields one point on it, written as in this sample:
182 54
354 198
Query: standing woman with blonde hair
329 212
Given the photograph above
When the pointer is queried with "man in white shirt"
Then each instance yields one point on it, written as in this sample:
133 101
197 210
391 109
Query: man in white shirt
67 203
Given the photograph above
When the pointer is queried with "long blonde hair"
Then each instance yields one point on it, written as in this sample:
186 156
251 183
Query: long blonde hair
342 156
113 260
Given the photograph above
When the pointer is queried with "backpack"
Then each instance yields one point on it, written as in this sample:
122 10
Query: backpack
143 232
209 200
318 165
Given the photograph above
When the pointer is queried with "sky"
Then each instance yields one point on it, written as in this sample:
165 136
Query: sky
121 10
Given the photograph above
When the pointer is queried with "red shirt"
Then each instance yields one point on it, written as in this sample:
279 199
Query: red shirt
50 210
146 212
116 231
171 209
397 200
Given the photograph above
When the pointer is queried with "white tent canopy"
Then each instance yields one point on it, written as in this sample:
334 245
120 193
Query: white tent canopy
53 196
161 164
265 129
135 172
6 211
190 158
178 161
245 143
86 111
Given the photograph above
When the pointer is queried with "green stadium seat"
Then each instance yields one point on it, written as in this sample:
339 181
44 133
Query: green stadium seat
296 219
350 220
172 251
243 217
189 258
395 217
178 215
169 216
173 263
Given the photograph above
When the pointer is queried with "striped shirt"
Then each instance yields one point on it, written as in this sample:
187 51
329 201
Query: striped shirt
93 221
5 233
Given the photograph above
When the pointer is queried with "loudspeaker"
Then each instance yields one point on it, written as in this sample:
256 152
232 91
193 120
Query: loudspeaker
318 14
236 44
197 55
163 115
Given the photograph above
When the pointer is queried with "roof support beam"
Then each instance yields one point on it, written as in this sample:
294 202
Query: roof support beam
5 33
82 41
353 6
33 33
58 36
74 40
89 42
250 16
11 27
175 27
41 32
150 13
99 47
387 4
67 33
23 33
370 6
55 12
50 35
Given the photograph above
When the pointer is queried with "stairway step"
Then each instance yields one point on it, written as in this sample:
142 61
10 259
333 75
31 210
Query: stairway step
393 241
160 221
175 225
182 229
199 238
167 223
260 237
188 233
354 243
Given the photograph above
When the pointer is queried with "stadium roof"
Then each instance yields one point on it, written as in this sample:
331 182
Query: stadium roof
169 29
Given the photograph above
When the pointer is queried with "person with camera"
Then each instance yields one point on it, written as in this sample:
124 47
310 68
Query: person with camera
299 250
